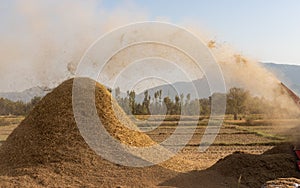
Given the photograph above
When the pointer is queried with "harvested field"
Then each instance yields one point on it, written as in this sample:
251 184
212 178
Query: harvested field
46 149
7 125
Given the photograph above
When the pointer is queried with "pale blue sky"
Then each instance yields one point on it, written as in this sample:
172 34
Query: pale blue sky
267 30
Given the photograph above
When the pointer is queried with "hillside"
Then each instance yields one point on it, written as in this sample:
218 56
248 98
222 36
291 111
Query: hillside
288 74
25 95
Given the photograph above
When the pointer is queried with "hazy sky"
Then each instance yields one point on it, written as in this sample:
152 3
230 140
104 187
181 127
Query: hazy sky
41 39
267 30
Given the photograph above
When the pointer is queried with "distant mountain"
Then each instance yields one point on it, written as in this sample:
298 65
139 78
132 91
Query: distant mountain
25 95
288 74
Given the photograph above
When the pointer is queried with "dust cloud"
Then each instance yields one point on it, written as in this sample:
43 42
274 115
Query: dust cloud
240 71
43 41
246 72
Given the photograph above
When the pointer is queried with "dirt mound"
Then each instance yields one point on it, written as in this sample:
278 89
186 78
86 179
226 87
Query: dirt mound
46 149
284 148
245 169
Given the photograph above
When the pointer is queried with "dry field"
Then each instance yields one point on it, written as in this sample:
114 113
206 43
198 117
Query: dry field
254 138
7 125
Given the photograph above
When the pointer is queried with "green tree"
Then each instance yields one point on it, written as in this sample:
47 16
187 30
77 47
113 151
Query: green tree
146 103
35 100
131 96
177 106
236 101
117 93
188 98
205 106
168 102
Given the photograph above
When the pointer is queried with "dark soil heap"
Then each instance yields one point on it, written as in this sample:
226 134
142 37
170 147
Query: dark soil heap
46 149
243 170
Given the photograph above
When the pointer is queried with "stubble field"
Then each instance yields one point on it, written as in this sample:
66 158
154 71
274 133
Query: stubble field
254 138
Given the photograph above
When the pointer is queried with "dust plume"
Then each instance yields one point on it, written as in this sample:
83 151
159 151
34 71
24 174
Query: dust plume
42 41
245 72
240 71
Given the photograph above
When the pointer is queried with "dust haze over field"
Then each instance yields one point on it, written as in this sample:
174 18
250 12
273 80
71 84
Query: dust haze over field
43 41
240 71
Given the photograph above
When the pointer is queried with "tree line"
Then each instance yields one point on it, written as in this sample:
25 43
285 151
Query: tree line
239 102
8 107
